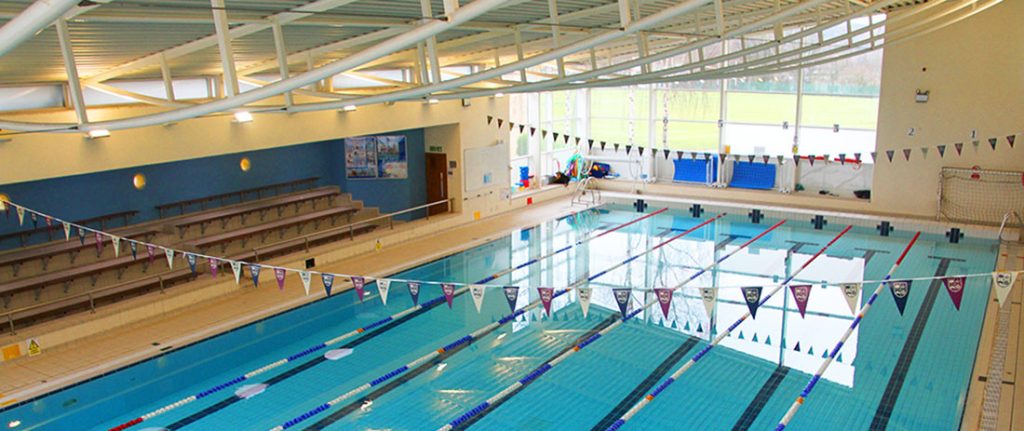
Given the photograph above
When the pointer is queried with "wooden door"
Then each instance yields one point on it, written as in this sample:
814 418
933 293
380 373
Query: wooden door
437 181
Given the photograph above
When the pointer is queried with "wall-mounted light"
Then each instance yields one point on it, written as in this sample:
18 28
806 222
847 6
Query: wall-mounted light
97 133
245 164
243 117
499 95
139 181
432 101
349 108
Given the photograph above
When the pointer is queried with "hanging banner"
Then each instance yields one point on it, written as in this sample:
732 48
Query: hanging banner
477 292
191 259
214 264
546 294
151 252
851 291
169 253
449 292
99 242
67 230
584 295
21 214
383 287
1003 281
801 293
306 277
664 299
328 280
955 287
279 275
900 292
709 296
512 296
752 295
254 272
81 235
359 283
236 267
134 247
622 296
414 292
116 242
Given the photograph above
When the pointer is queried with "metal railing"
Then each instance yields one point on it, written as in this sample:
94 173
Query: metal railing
93 294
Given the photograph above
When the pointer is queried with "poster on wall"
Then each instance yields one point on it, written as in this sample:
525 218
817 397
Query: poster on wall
391 158
361 157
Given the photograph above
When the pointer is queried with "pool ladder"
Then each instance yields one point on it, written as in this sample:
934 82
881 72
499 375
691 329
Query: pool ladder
1006 218
584 195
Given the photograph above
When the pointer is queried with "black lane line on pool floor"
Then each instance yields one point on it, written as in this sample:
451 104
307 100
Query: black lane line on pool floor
355 405
762 397
305 366
899 373
645 386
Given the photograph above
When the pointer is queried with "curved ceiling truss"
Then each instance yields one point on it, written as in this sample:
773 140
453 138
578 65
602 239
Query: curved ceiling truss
507 46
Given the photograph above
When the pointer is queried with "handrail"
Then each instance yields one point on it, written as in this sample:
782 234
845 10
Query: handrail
181 205
93 292
1006 218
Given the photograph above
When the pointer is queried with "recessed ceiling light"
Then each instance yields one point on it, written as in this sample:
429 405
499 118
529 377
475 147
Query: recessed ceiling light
243 117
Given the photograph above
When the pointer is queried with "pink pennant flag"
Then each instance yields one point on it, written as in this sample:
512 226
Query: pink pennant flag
279 275
214 265
955 287
546 294
151 251
359 282
801 293
664 299
449 292
99 243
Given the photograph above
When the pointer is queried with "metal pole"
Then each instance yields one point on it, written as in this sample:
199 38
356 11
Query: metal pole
31 21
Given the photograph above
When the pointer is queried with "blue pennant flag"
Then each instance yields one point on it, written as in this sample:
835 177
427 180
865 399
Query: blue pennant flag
254 271
900 292
191 258
414 291
135 249
622 298
328 280
81 235
752 295
512 296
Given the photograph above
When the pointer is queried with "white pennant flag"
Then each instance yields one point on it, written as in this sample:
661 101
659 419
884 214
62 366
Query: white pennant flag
170 257
306 277
21 214
383 286
116 241
851 291
584 294
236 267
710 297
477 292
67 230
1003 282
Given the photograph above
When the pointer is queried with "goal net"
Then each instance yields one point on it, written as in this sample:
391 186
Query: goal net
979 196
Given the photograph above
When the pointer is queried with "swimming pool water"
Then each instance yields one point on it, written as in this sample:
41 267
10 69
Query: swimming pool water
748 383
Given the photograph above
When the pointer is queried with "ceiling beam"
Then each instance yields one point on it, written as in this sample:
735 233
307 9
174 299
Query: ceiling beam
34 19
74 85
227 55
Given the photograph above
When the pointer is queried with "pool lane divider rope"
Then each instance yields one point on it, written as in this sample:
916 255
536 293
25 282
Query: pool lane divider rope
784 422
483 331
701 354
485 406
422 306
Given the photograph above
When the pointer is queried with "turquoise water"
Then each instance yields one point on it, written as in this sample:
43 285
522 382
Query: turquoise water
748 381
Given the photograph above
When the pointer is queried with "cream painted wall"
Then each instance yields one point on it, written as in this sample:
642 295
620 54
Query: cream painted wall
975 72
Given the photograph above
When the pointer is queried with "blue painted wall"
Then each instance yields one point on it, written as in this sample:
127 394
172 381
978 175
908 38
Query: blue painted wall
83 196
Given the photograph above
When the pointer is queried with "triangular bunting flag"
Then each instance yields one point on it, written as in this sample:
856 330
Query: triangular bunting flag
511 296
900 292
214 265
924 152
67 230
801 293
679 155
533 130
664 299
500 122
710 297
546 294
489 119
21 214
359 283
616 147
666 152
874 156
328 280
942 150
851 291
414 291
554 136
781 159
236 267
449 292
477 291
81 235
279 275
134 247
98 241
577 140
306 277
170 257
603 143
628 148
590 144
565 138
796 159
521 128
889 154
752 295
151 252
1010 139
906 153
191 259
707 157
750 158
254 272
1003 282
976 144
993 142
35 220
584 294
383 287
622 296
766 158
959 148
810 159
543 134
693 156
955 287
511 126
116 242
842 159
856 156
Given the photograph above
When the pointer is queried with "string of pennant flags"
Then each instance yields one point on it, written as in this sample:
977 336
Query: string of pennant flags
890 155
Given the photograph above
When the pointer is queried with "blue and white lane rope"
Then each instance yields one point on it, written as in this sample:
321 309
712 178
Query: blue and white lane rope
846 335
371 326
545 367
475 334
678 373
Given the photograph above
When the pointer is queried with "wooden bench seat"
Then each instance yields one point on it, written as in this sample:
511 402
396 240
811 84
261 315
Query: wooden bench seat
52 230
240 194
263 230
72 247
67 276
262 207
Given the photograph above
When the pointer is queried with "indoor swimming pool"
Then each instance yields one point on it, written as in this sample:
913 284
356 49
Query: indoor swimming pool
899 372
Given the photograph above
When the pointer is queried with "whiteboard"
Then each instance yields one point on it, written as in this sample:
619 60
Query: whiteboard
486 167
